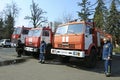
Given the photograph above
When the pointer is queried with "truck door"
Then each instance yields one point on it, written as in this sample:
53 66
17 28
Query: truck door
46 36
88 37
23 35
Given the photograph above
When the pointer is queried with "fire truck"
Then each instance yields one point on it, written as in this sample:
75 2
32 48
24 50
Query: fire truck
78 39
34 38
19 33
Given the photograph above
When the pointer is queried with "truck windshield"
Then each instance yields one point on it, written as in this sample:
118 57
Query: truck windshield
62 30
74 29
17 30
35 33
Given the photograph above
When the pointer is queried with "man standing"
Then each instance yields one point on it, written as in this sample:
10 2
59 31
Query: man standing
42 52
19 48
107 56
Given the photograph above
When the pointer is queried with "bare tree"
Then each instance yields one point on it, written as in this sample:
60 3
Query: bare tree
67 17
36 17
1 20
9 15
13 10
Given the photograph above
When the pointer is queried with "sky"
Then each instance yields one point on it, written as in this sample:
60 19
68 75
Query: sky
54 8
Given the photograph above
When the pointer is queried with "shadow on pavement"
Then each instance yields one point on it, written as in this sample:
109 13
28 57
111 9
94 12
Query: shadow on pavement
14 61
75 63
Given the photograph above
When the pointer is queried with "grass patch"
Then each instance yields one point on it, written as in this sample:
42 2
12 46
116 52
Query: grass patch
116 50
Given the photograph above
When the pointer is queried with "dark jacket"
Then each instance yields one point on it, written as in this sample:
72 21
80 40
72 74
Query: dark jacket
19 46
107 50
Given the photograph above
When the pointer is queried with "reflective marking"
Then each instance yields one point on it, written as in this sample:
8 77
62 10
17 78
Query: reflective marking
65 39
30 39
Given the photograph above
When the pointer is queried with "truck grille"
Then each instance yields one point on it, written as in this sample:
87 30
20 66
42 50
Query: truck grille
66 45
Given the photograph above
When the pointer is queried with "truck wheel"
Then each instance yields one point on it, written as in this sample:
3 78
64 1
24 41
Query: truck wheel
25 53
100 54
64 59
19 52
35 55
90 61
48 54
9 46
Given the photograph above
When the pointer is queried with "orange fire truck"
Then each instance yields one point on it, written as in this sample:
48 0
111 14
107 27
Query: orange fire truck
78 39
35 36
19 33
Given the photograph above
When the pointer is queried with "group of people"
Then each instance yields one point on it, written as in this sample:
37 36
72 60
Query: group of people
20 46
106 54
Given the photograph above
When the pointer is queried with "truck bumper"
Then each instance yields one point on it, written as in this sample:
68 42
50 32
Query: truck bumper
30 49
73 53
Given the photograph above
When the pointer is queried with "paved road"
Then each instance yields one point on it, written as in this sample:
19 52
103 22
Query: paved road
9 56
32 70
7 53
54 70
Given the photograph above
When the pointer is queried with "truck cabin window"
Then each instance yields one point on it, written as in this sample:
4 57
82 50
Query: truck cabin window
75 29
17 30
62 30
70 29
35 33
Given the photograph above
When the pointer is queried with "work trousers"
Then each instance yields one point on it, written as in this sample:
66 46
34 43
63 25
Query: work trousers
107 66
42 56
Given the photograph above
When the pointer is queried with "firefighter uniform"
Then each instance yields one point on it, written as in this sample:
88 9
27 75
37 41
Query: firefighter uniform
19 48
107 57
42 52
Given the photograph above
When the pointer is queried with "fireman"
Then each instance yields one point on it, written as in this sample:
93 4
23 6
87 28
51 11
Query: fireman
107 56
19 48
42 52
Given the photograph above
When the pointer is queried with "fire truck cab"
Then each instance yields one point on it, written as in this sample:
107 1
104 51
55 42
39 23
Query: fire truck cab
77 39
34 38
19 33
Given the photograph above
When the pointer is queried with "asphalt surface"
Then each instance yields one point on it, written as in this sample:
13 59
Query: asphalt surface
54 69
8 56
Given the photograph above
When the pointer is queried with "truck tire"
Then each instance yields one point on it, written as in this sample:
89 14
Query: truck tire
20 52
64 59
25 53
90 61
9 46
100 53
48 54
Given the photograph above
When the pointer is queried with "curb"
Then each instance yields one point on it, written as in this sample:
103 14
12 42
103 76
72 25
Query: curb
10 62
13 61
116 54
